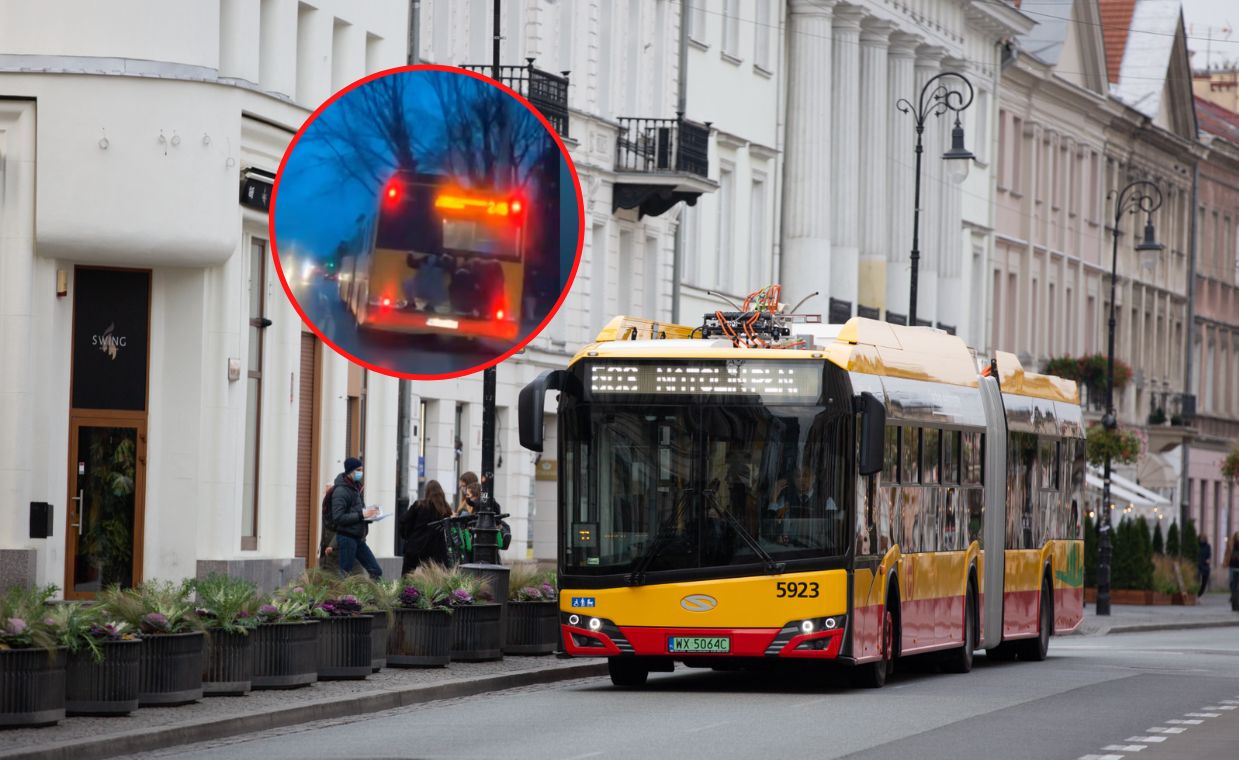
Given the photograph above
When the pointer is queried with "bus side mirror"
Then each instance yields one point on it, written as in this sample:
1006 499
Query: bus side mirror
530 404
872 433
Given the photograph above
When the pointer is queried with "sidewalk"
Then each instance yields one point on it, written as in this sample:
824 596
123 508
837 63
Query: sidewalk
1211 610
151 728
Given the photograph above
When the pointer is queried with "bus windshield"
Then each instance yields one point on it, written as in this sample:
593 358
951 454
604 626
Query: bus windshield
700 483
415 219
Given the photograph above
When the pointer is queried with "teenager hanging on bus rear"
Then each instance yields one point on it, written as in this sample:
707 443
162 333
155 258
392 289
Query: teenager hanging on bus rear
422 541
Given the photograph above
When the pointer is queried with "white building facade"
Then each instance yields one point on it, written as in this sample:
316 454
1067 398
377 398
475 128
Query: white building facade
164 397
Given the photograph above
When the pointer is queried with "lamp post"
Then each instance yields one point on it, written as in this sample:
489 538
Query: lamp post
1139 195
936 98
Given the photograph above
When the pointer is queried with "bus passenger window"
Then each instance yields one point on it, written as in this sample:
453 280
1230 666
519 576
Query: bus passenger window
975 502
910 449
930 463
973 457
890 469
950 456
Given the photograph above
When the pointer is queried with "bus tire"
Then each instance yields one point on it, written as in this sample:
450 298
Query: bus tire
960 660
627 672
873 675
1036 649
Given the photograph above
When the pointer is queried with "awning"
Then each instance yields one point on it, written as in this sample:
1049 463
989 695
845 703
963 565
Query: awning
1119 495
1133 492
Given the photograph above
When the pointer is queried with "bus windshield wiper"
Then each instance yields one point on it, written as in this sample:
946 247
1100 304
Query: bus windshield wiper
637 576
771 565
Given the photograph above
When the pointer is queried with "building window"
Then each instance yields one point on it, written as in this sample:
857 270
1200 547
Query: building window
606 62
307 73
253 394
731 28
649 264
1094 188
757 233
598 280
981 130
626 284
726 227
761 37
341 71
1017 155
696 18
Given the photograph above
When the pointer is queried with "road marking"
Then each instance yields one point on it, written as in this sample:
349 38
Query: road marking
1125 747
706 728
1164 730
1101 757
587 754
1146 739
1203 715
1220 707
1187 722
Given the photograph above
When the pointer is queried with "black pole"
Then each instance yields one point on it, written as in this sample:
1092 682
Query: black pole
1147 198
494 54
935 99
916 225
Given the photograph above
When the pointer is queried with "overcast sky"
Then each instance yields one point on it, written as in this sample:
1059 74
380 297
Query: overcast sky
1211 31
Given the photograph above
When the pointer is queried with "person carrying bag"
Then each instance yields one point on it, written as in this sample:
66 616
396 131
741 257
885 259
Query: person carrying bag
423 540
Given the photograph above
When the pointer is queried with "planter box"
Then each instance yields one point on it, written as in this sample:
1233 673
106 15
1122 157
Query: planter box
476 633
1184 600
420 638
533 628
228 665
285 655
1160 598
32 687
170 669
1130 596
1090 594
344 646
378 642
109 687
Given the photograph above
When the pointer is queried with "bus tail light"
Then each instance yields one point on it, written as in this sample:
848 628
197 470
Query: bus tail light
392 192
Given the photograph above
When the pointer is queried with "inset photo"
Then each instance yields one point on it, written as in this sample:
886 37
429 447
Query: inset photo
426 222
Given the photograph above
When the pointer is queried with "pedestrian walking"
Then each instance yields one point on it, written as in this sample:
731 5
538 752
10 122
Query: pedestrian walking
467 493
328 551
422 541
1232 563
351 519
1205 561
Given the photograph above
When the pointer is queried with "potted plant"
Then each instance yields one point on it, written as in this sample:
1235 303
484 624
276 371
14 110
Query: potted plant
227 609
286 641
533 612
421 631
101 674
170 659
377 598
32 663
476 632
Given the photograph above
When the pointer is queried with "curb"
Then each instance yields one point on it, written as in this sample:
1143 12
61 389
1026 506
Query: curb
1151 627
163 737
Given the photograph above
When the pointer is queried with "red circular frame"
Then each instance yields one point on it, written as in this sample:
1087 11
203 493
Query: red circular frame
580 237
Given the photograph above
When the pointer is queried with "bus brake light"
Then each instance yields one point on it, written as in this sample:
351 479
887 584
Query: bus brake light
499 314
387 302
516 207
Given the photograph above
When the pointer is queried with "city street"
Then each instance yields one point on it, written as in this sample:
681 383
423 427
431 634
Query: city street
1170 694
416 354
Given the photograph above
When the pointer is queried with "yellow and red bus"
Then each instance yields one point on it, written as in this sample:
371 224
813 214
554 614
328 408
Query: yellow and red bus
864 494
439 258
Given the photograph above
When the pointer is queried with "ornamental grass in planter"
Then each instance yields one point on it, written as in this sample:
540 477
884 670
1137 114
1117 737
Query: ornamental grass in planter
378 599
345 634
476 632
170 660
533 612
227 609
286 642
421 632
101 675
32 662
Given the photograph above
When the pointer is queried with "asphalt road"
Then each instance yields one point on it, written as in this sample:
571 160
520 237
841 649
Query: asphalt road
413 354
1094 698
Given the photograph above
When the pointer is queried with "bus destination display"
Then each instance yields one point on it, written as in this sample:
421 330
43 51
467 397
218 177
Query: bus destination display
789 381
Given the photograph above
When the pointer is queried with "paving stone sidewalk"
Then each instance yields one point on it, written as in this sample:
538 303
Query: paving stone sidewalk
217 717
1211 610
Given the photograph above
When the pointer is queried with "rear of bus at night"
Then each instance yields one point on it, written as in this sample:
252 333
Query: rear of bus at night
728 506
440 259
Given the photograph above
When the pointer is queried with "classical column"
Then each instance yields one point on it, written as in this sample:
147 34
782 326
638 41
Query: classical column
845 154
900 139
933 207
952 309
876 102
806 183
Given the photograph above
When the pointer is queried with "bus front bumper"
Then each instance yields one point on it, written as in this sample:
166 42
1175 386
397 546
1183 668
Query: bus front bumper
800 638
416 322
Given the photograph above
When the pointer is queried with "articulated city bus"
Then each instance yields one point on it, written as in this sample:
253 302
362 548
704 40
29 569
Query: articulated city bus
852 493
438 258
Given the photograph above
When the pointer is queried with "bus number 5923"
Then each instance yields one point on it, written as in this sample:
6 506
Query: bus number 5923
795 589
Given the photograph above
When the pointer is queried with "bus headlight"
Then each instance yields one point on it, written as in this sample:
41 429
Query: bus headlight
574 620
594 624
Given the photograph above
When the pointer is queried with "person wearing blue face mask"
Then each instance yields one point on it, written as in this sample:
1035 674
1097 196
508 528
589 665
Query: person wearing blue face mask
350 515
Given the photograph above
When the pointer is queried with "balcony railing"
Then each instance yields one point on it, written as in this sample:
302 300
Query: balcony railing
545 91
663 145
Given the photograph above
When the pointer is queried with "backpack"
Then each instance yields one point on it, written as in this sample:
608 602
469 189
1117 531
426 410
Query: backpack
327 521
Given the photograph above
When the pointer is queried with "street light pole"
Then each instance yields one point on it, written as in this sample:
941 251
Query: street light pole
935 99
1139 195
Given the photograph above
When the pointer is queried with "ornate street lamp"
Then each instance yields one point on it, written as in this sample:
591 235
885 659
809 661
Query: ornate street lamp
1140 195
936 99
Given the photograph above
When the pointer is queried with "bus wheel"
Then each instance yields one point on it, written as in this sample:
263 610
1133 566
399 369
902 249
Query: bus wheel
960 660
627 671
1035 650
872 675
